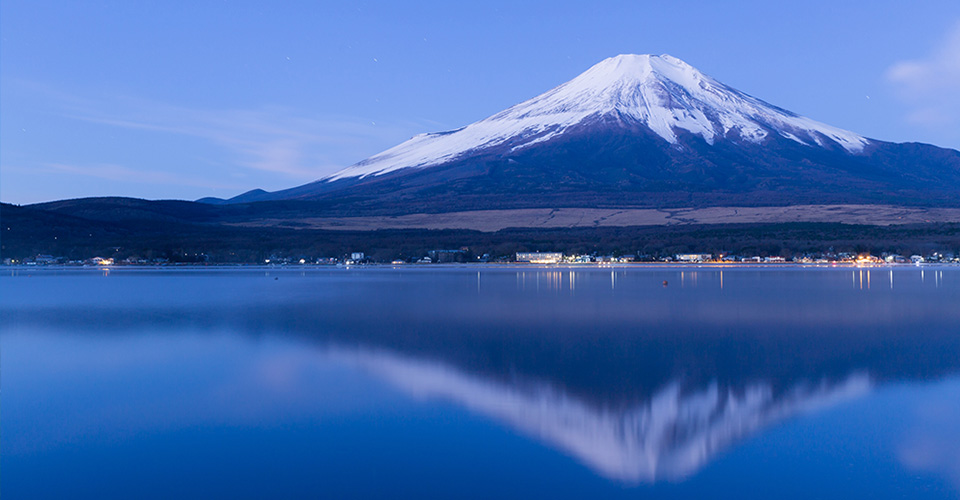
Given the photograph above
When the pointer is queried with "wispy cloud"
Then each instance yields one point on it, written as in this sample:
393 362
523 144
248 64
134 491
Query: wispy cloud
271 139
123 173
279 140
931 85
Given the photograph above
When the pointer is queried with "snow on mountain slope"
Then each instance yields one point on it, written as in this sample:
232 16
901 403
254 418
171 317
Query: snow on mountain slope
662 93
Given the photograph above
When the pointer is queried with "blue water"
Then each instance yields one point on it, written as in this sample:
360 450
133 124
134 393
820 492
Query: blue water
481 382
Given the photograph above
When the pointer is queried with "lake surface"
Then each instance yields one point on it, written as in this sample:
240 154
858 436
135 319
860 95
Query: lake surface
481 382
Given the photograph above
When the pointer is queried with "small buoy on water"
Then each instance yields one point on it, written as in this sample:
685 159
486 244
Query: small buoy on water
664 282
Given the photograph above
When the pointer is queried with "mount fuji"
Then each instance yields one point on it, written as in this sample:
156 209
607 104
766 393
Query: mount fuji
636 131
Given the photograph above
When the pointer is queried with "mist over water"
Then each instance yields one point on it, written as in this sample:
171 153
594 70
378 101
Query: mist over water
481 381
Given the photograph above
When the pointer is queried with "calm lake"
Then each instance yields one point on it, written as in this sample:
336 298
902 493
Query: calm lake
481 382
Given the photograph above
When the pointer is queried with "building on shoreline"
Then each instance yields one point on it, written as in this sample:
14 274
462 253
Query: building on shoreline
693 257
539 257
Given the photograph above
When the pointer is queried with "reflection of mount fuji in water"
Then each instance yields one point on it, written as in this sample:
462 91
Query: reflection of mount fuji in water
669 437
638 381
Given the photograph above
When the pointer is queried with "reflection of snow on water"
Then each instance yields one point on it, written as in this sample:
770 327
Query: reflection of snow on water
669 437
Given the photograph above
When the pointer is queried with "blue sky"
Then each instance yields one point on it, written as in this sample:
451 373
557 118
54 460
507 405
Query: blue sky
212 98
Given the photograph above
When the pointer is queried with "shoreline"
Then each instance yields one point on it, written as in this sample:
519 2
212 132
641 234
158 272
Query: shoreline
492 265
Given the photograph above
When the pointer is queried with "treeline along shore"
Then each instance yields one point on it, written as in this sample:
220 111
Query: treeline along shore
28 232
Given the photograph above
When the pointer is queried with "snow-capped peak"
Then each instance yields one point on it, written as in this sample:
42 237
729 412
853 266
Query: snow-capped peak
662 93
614 83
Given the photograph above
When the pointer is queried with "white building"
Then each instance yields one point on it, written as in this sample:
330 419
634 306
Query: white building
539 257
693 257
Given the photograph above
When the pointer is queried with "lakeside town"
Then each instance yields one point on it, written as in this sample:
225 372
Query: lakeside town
464 256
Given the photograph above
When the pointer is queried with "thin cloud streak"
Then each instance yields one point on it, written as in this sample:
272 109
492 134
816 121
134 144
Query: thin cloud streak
122 173
271 139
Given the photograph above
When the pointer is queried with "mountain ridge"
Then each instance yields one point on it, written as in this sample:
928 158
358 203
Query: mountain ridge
640 131
661 92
